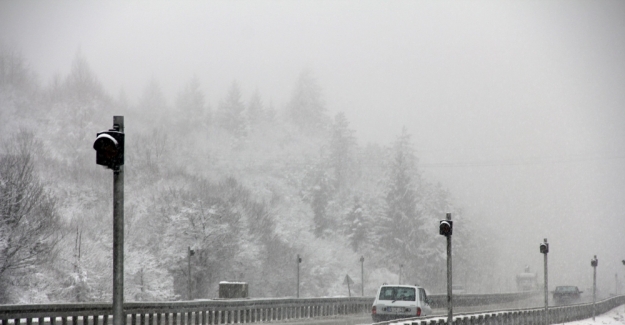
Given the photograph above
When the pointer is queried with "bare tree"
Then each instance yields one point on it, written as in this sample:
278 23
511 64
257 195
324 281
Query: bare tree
29 224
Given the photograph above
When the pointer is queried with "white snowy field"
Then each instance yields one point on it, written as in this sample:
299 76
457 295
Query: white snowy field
615 316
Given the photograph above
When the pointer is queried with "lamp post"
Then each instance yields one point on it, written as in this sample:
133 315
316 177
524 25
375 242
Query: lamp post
401 266
109 147
594 262
190 253
299 261
362 275
446 228
544 249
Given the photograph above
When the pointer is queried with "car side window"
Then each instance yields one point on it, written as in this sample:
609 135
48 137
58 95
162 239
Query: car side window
422 295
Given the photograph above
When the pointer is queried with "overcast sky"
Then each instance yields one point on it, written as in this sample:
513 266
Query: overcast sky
518 107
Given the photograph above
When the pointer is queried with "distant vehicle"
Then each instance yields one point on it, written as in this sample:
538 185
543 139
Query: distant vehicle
400 301
564 294
527 281
457 289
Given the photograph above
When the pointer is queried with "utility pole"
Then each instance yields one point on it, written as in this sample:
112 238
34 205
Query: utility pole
190 253
362 275
544 249
118 236
109 147
298 261
446 229
450 312
594 262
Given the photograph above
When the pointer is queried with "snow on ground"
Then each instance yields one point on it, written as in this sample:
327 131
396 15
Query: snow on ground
615 316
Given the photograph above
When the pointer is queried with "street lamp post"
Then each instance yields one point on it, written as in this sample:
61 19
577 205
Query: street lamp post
190 253
401 266
362 275
544 249
594 262
299 261
109 147
445 228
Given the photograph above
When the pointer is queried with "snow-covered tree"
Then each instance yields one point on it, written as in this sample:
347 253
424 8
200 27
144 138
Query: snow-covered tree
306 108
29 223
230 113
255 111
342 151
401 234
191 113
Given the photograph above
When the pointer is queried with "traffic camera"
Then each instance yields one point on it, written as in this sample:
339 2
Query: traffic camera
446 227
109 147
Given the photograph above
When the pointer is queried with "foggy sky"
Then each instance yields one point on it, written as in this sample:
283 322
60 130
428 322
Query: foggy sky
518 107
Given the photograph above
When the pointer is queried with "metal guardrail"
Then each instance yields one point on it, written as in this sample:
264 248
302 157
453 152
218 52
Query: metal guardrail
532 316
216 312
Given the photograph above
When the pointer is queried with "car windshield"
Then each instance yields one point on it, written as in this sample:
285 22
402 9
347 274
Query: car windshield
566 289
397 293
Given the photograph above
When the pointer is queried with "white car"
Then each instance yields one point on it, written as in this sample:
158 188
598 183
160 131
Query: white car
400 301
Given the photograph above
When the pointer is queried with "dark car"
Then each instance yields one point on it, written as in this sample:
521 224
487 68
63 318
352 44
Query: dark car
564 294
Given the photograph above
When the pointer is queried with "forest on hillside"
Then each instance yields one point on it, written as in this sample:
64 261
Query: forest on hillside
245 184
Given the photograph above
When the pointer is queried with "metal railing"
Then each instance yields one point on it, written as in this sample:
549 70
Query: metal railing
533 316
216 312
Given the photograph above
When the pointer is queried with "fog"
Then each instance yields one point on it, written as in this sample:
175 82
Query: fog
517 107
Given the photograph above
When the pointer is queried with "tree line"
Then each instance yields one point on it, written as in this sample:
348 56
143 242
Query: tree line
247 185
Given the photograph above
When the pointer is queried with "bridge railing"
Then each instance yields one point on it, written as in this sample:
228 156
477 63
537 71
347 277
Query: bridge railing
533 316
215 312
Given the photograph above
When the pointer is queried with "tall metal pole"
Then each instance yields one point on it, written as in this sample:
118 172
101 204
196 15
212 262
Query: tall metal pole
362 275
118 236
189 273
594 263
546 286
401 267
299 260
450 312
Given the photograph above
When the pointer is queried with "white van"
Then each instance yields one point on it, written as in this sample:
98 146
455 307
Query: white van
400 301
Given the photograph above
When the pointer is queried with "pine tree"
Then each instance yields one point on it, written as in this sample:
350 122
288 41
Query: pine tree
191 111
401 234
255 111
356 226
230 113
318 193
342 151
152 108
306 108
